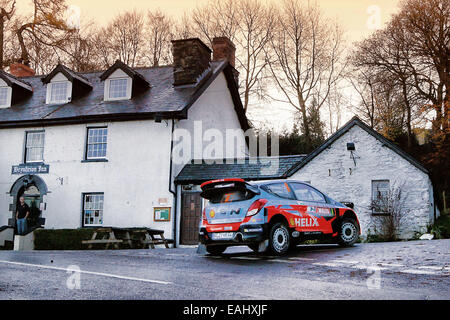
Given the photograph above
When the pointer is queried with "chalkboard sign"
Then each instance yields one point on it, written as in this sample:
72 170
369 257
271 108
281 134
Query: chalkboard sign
161 213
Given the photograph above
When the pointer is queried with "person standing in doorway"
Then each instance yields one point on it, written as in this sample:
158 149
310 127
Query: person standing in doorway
22 213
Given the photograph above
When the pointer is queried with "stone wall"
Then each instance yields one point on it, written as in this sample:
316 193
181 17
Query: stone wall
333 171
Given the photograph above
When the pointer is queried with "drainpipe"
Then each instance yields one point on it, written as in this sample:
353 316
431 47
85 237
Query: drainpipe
173 192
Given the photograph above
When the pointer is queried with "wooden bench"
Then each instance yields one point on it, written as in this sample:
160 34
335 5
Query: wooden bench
108 239
133 237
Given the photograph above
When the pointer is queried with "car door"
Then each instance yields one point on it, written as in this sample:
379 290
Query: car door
282 201
316 213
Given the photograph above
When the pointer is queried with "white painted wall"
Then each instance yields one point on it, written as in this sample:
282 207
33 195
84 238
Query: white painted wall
215 109
133 179
374 162
135 176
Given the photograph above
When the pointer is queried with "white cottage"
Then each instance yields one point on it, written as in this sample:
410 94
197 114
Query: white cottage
94 149
357 164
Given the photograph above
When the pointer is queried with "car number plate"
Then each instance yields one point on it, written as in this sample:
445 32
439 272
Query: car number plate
222 235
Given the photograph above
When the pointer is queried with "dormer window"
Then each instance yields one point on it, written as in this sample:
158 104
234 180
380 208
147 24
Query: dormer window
118 88
5 95
65 85
122 82
12 90
59 92
59 89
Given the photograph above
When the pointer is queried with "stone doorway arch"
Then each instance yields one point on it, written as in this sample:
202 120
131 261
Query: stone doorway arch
33 188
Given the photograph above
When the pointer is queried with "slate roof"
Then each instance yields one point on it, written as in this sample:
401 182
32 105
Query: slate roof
161 99
70 74
356 121
260 168
12 80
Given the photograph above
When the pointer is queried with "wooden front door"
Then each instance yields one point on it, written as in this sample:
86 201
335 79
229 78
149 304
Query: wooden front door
190 217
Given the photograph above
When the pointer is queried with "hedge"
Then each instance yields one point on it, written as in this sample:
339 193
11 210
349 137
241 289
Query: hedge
61 239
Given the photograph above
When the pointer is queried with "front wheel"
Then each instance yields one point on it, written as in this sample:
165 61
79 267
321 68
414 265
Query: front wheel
215 250
279 240
348 233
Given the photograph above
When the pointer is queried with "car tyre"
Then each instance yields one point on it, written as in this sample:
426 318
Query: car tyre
215 250
348 232
279 241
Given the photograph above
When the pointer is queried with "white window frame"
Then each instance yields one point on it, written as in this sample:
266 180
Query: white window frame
87 143
26 147
8 96
116 75
59 78
85 194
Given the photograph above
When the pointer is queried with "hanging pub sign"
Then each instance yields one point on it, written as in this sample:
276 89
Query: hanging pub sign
30 168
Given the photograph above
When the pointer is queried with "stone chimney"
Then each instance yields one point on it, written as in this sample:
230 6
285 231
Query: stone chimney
21 69
191 58
224 49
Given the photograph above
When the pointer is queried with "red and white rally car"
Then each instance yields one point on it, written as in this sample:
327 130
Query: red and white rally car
276 214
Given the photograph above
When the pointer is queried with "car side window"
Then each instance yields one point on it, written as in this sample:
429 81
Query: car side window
304 192
279 189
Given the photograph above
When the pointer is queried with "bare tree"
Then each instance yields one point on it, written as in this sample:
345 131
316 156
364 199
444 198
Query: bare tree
45 27
389 212
305 57
414 47
159 32
254 31
123 39
7 8
249 24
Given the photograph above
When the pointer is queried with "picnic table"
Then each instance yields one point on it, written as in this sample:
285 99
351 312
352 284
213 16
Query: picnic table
133 237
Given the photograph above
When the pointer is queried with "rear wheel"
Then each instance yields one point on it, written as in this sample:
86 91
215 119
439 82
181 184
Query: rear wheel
279 240
215 249
348 232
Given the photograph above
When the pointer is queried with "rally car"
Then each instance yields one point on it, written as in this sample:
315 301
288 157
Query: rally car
274 215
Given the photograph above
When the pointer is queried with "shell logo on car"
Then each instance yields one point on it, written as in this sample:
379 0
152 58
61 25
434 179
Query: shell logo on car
212 214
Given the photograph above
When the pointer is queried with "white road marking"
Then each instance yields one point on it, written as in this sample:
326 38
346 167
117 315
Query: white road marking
432 268
415 271
326 264
392 265
305 259
346 261
246 258
280 260
86 272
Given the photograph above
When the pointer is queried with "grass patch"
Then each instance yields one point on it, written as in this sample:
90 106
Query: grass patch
61 239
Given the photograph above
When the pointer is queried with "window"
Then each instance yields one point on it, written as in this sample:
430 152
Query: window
93 209
306 193
4 97
279 189
34 146
96 143
58 92
118 88
380 194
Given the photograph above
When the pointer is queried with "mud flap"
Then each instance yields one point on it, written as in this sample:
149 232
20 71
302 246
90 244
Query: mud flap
263 245
201 249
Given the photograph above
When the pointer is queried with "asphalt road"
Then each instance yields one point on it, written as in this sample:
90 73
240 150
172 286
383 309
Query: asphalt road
400 270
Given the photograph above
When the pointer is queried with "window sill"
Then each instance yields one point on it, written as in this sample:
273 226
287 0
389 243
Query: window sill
94 160
33 163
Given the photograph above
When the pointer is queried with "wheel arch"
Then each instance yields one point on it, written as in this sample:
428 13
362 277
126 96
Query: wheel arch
278 218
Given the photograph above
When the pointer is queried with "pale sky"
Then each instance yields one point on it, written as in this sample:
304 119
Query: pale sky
359 18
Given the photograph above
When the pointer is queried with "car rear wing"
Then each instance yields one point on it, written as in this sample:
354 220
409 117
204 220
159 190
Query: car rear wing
221 185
